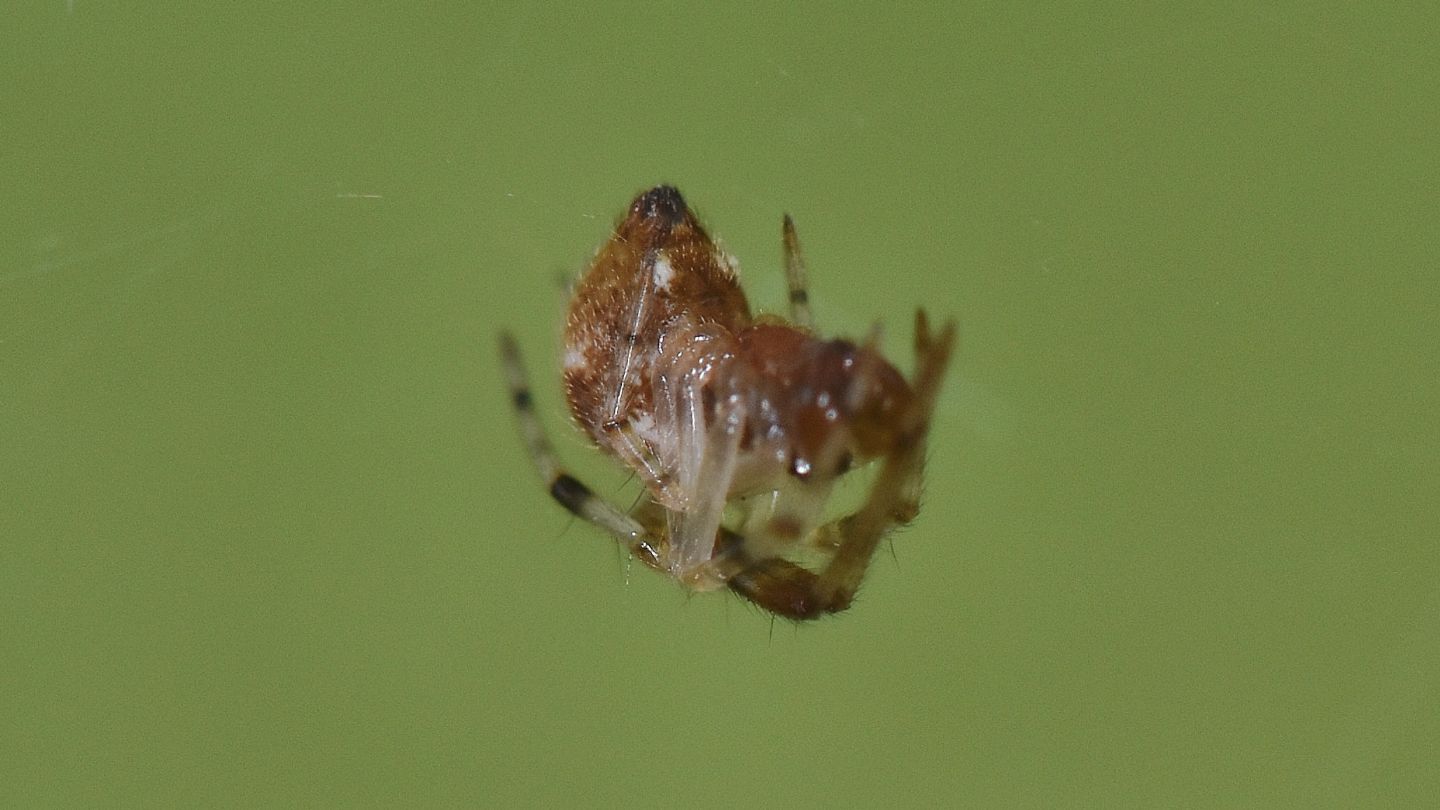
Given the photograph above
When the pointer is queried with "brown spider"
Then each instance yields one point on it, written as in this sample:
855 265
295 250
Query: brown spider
738 426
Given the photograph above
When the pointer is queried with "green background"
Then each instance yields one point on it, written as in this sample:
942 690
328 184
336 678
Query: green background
268 537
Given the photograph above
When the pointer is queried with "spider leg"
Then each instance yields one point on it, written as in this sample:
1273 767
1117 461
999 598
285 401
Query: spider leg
795 276
790 590
706 472
567 490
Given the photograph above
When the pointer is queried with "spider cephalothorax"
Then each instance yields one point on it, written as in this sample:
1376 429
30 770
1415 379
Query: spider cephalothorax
738 426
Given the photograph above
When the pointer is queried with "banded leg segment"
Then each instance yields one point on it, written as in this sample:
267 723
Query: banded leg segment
795 276
567 490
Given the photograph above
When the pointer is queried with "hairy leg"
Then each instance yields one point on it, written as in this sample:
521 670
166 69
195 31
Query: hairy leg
795 276
563 487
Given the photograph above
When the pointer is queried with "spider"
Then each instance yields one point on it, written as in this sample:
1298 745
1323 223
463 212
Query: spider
738 426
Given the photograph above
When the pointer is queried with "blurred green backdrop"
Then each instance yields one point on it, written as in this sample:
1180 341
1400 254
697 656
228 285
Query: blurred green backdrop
268 537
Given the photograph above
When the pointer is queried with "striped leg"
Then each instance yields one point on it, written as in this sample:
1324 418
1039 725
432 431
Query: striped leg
795 276
563 487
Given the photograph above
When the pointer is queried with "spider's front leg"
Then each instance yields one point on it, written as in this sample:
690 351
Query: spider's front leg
799 292
790 590
567 490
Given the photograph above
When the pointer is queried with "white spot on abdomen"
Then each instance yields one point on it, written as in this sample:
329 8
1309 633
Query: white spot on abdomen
577 354
663 272
727 262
